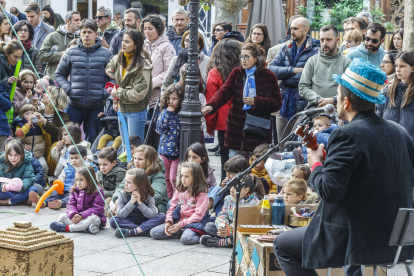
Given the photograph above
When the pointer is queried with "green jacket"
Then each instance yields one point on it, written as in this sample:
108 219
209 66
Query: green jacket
316 81
61 38
24 171
135 88
6 71
158 183
58 21
111 181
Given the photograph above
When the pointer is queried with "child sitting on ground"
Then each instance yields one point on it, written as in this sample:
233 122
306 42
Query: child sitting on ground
220 232
24 93
32 134
353 39
188 213
85 209
110 175
60 150
134 142
55 200
260 171
111 130
137 213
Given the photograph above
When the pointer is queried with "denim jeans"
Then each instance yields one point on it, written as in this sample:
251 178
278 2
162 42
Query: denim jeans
135 122
16 198
186 236
131 222
89 118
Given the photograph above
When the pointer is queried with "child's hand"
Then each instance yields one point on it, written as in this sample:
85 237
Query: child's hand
40 117
282 191
223 232
77 218
60 144
171 109
3 188
29 94
101 114
272 197
27 147
223 184
137 196
168 228
174 228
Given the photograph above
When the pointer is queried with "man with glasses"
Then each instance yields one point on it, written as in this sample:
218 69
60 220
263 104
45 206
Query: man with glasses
61 38
41 30
118 18
106 27
371 50
132 20
222 30
13 18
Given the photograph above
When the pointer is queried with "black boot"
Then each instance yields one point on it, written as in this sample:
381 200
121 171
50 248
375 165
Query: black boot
216 148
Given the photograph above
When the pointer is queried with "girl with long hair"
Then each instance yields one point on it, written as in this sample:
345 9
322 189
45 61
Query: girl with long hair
260 36
52 18
5 29
396 42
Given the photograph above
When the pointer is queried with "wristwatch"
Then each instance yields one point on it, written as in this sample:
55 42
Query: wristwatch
335 100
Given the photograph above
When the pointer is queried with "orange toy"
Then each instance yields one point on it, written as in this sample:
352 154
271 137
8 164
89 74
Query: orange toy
58 186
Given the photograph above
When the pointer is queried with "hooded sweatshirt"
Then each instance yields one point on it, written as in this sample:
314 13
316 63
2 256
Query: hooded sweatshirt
316 82
61 38
361 52
109 33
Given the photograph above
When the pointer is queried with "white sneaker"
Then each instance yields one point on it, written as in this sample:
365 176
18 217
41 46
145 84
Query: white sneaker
93 229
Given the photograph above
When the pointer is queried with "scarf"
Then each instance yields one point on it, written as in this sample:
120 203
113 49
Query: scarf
249 89
128 58
289 100
26 44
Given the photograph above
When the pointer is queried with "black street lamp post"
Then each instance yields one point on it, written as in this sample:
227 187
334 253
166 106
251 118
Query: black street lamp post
190 114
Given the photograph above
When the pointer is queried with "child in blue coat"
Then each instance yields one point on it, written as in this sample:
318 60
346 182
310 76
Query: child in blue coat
5 105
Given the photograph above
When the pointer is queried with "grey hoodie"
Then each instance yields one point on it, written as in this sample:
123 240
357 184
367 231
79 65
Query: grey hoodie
316 81
362 53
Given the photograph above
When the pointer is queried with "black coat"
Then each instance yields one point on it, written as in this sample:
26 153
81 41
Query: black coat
86 67
367 176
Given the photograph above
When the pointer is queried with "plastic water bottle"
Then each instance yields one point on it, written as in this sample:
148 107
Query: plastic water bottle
278 211
265 211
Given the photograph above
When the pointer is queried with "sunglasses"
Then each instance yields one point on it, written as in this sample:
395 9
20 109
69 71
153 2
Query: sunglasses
218 30
375 41
99 17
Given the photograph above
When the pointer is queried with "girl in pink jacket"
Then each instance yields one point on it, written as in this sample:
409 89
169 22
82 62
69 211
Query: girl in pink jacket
188 207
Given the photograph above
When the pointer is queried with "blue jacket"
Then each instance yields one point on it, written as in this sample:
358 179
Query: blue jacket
283 68
168 126
13 18
361 52
232 35
322 137
70 176
86 67
38 171
5 105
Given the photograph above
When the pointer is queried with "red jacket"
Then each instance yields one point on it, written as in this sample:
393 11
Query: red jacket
268 100
216 121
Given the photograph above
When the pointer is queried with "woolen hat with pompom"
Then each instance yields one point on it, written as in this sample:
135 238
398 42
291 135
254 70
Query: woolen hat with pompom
364 79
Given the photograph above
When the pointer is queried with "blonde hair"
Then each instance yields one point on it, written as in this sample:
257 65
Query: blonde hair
298 186
58 97
325 120
353 35
153 164
23 74
141 182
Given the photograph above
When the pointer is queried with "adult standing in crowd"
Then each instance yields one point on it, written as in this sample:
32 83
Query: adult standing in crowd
25 32
161 51
396 42
41 30
107 28
5 29
358 170
366 16
222 30
219 69
12 17
388 65
132 20
132 70
371 50
61 38
316 84
52 18
252 90
10 54
260 36
288 66
118 18
399 106
85 63
20 16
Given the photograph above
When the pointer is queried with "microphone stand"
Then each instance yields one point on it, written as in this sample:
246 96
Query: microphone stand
238 185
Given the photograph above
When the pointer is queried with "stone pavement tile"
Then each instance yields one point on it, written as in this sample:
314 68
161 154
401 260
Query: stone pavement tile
221 251
155 248
80 252
78 272
224 268
108 261
399 270
209 273
42 221
151 270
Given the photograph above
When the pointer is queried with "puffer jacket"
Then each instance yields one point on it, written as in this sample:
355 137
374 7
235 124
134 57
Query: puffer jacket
116 43
86 204
33 53
162 53
6 71
135 88
403 116
5 105
111 181
34 136
24 170
61 38
112 30
283 68
231 35
68 176
86 67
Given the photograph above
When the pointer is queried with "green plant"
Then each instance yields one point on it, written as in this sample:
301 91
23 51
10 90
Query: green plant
389 27
344 9
317 20
377 14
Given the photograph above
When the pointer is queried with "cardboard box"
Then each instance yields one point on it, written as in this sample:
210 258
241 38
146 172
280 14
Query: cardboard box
257 259
30 251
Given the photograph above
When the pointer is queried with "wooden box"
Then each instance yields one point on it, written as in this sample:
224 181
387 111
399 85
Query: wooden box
30 251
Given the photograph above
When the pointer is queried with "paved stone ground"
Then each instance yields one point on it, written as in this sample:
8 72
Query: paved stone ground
104 254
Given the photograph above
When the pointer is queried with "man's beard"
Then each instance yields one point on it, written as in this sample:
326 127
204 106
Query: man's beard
330 51
373 50
132 27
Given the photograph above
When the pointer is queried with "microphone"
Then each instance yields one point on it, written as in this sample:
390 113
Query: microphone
326 109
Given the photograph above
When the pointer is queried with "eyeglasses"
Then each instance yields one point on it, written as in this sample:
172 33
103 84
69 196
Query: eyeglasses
245 58
218 30
23 30
257 34
375 41
99 17
385 62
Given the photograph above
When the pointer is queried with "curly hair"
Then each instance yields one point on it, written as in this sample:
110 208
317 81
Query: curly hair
225 57
267 42
257 53
58 97
173 88
23 74
156 21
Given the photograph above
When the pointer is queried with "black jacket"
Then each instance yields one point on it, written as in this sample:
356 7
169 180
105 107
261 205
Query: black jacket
86 67
403 116
367 176
116 42
6 71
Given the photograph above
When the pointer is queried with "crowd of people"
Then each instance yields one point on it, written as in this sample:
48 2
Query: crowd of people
139 67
